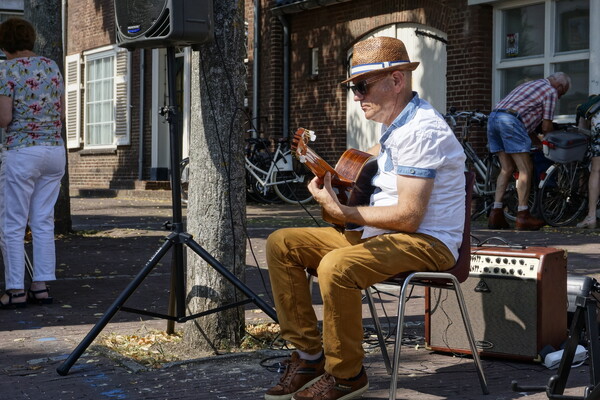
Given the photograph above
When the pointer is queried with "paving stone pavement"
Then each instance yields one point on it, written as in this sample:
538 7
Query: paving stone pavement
123 232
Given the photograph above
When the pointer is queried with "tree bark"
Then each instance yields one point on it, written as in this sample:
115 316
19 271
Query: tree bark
217 201
45 15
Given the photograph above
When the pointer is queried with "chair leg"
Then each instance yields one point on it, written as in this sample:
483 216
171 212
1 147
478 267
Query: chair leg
470 335
399 334
378 331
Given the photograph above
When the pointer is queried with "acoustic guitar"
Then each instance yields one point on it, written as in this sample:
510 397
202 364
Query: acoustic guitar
351 177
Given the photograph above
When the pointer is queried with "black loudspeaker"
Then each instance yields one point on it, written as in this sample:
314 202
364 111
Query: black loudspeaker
163 23
516 301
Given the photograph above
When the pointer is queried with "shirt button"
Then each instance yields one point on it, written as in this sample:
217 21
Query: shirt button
412 171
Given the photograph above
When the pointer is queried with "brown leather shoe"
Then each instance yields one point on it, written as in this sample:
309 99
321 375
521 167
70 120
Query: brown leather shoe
332 388
299 374
527 222
497 220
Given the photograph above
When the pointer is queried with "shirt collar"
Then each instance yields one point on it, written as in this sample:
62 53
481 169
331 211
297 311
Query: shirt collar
405 115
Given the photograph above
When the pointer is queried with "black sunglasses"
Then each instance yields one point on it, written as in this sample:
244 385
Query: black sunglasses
362 86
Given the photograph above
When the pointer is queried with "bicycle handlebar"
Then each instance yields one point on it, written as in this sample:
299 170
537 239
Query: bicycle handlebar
469 116
263 141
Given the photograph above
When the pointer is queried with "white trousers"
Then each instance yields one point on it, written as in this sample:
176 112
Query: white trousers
29 186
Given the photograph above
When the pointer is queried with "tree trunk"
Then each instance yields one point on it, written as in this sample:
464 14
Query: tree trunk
217 200
45 15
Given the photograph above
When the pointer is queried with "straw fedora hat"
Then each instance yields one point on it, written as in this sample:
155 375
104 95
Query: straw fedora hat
376 55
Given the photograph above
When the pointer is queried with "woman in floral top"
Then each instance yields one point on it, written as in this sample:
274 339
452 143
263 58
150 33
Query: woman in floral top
33 161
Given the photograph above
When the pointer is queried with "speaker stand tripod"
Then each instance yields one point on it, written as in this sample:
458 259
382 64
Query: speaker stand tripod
584 320
175 241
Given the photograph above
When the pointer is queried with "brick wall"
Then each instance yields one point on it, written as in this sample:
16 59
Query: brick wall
469 80
91 24
320 103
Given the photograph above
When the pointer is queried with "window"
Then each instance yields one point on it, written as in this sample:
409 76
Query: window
97 97
523 30
537 38
9 10
99 101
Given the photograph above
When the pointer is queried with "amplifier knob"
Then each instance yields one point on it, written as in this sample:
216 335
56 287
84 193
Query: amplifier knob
522 262
496 270
520 272
503 270
505 261
513 261
498 260
512 271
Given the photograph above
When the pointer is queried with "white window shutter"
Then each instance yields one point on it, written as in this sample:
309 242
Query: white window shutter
122 100
73 100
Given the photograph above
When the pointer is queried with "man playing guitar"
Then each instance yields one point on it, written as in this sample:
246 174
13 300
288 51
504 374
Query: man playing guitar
414 221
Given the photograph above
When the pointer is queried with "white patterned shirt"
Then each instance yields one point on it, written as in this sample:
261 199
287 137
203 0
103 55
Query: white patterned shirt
420 143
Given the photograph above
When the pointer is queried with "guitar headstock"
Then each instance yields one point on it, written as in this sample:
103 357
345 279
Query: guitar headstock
300 143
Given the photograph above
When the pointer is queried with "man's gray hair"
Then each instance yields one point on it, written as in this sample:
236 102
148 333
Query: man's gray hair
562 78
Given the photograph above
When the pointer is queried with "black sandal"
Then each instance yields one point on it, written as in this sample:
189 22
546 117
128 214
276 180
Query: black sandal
11 304
33 299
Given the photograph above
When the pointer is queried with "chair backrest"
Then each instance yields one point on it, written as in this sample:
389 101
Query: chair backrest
463 265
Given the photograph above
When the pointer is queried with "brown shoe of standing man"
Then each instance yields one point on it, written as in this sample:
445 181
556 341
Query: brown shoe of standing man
496 220
527 222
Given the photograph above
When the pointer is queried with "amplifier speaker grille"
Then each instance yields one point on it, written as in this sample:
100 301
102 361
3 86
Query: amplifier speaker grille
511 316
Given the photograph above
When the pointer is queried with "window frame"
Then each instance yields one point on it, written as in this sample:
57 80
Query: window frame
548 59
87 59
121 97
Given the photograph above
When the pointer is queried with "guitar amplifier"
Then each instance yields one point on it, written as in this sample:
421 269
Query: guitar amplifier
516 300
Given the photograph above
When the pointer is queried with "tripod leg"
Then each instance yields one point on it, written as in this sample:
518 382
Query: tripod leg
558 383
172 296
231 277
592 335
64 368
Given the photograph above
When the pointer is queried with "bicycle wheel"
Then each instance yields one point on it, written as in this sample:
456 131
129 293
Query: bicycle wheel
184 173
511 199
254 189
291 186
486 191
487 186
563 195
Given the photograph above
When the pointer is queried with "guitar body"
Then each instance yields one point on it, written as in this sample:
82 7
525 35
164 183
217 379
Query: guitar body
351 177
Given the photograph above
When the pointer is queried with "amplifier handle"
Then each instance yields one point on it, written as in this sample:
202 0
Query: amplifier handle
505 243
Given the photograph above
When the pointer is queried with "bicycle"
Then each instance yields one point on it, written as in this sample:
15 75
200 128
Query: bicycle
486 169
278 171
257 152
563 193
184 171
270 176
